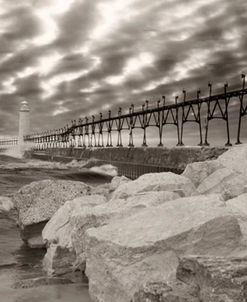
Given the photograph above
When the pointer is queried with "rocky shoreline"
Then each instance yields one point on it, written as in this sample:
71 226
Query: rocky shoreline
162 237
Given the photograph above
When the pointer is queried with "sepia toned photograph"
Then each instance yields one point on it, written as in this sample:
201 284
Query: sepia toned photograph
123 151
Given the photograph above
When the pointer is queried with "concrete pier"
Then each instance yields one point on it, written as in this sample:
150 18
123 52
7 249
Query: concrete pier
133 162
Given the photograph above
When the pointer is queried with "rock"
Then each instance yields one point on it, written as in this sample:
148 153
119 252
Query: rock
60 256
38 201
55 230
64 232
40 281
198 171
140 200
224 181
234 186
218 278
117 181
101 190
162 292
128 252
235 158
6 204
59 260
31 234
112 210
166 181
237 207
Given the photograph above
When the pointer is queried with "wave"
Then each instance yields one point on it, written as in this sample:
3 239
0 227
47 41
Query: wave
7 162
17 151
105 170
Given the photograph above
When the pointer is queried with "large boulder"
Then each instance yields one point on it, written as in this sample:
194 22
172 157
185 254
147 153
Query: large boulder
235 159
166 181
198 171
64 233
60 257
144 247
217 278
224 181
112 211
38 201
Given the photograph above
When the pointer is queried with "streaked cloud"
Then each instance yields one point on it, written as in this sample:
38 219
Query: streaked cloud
77 57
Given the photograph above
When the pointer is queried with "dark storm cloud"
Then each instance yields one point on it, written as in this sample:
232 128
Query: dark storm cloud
92 56
23 24
28 87
75 25
71 63
20 60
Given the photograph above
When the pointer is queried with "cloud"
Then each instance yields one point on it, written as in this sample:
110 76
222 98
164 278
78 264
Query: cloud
76 58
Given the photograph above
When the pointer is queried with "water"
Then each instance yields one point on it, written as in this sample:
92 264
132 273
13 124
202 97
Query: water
18 262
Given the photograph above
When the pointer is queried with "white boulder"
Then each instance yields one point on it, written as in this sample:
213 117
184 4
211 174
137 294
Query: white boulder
166 181
129 252
64 233
111 211
235 158
224 181
60 257
198 171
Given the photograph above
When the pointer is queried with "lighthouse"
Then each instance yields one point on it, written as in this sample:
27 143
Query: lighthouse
24 121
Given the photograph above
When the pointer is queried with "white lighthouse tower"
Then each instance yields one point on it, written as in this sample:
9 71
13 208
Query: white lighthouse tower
24 121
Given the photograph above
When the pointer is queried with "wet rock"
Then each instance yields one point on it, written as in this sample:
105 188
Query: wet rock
6 204
166 181
129 252
59 260
38 201
31 235
40 281
60 256
199 171
218 278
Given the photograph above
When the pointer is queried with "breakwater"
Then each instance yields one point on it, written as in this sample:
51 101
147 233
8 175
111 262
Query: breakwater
133 162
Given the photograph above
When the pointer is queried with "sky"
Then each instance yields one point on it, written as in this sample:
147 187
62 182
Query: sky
75 58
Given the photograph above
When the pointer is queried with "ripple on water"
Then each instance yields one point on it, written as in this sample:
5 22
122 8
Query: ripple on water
18 262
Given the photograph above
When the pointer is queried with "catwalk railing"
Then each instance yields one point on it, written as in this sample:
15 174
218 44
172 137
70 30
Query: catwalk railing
8 142
95 132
